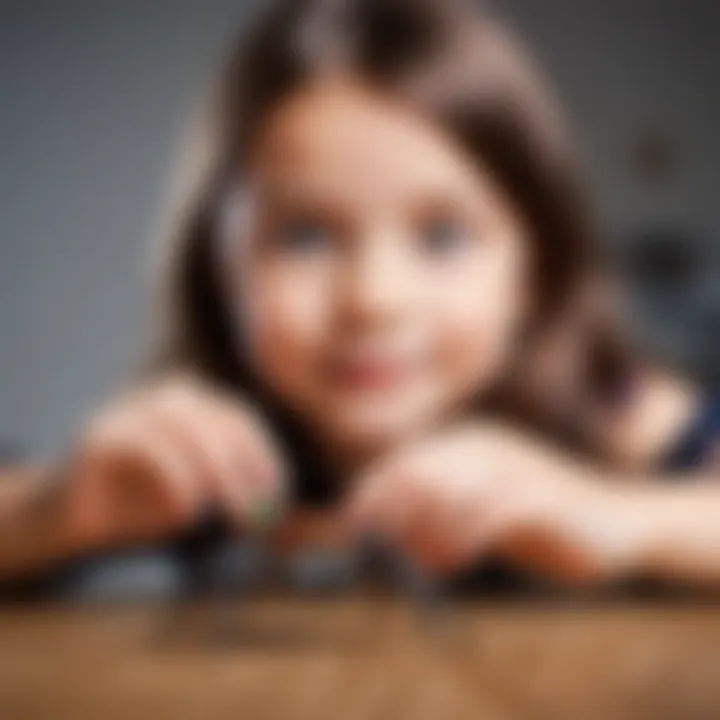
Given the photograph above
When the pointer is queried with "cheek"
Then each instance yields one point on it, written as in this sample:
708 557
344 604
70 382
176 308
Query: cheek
480 316
287 320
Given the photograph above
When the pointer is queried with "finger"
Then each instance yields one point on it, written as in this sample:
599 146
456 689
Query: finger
258 446
366 509
248 476
245 440
493 527
153 487
260 484
224 477
259 453
447 515
427 536
392 503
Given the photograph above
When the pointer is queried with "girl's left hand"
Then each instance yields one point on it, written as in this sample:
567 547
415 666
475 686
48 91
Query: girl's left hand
453 499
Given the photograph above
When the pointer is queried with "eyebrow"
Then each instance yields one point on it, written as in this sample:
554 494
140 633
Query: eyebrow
324 198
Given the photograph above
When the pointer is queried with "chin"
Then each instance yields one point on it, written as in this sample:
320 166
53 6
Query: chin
376 427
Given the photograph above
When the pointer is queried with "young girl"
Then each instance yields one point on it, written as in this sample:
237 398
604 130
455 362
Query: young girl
384 296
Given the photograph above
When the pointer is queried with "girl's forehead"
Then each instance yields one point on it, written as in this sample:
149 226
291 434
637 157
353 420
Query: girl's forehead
340 133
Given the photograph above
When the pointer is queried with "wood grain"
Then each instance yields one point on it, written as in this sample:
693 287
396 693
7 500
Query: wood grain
358 659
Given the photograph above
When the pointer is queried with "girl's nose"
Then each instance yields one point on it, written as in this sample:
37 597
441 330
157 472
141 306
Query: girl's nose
380 283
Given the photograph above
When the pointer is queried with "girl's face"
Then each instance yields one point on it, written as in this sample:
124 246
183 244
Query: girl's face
381 274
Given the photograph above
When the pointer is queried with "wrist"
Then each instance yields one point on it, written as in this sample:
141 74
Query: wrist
50 517
637 528
33 531
59 527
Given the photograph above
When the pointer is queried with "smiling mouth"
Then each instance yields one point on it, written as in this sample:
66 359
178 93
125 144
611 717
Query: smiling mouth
371 373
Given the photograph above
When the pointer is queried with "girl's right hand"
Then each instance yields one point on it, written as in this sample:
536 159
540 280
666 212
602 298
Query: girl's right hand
152 464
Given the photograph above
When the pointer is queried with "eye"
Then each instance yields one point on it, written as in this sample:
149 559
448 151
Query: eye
443 235
304 236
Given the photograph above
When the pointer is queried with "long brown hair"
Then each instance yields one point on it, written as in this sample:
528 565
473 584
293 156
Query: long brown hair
458 67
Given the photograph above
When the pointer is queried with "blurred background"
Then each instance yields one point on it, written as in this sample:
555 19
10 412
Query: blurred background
93 95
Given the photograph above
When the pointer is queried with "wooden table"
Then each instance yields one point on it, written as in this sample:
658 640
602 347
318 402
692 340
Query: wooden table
357 659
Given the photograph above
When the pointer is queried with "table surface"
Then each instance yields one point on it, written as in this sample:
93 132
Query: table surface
360 658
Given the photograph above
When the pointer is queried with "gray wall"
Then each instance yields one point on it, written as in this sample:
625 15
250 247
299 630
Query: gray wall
93 92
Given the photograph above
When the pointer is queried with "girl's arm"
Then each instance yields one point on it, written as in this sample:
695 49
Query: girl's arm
677 524
669 423
479 490
146 468
33 533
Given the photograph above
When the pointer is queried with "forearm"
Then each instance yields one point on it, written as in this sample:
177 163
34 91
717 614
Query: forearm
677 531
33 533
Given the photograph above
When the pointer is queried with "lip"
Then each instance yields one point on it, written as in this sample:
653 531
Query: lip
370 373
